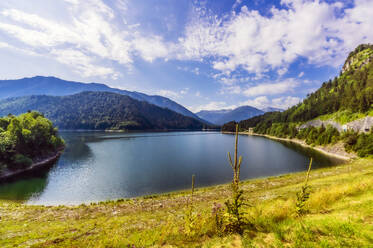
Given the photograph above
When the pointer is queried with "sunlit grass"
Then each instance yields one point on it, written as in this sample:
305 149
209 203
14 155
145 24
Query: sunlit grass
339 214
345 116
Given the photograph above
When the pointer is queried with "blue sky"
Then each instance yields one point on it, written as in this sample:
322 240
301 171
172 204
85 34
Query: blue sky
202 54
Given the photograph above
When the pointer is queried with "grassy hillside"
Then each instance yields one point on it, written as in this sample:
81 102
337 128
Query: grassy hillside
339 213
100 110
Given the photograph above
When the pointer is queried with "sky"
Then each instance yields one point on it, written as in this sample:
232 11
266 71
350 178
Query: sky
202 54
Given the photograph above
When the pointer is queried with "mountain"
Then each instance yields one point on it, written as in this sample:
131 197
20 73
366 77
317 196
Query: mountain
271 109
219 117
100 111
349 96
57 87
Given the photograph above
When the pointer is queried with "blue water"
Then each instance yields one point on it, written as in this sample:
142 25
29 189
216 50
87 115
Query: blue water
98 166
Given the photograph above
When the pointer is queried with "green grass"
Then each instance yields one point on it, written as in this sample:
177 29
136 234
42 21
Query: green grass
345 116
339 214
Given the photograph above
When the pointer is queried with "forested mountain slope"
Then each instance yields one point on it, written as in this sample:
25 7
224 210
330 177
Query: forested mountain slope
57 87
100 110
346 97
352 90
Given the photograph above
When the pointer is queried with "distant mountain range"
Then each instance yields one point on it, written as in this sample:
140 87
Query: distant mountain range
100 111
219 117
57 87
52 86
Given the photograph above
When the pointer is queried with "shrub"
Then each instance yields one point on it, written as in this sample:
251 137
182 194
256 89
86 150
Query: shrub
303 195
30 135
190 217
21 160
235 221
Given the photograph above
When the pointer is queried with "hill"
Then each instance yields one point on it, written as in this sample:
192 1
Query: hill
343 99
219 117
57 87
100 111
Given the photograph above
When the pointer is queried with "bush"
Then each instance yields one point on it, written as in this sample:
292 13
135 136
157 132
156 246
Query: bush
25 137
20 160
361 143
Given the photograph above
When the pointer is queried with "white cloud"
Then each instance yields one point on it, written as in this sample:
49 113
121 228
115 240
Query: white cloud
271 88
194 70
151 48
262 102
285 102
83 63
214 105
80 42
242 39
173 94
259 102
300 74
314 30
169 93
282 71
89 35
236 4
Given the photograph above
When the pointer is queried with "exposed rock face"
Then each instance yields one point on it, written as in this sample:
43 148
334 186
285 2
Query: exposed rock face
347 66
319 123
361 56
360 125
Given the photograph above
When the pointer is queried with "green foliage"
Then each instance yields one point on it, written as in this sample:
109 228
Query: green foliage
99 111
26 137
217 214
21 161
303 195
190 216
235 221
361 143
319 136
343 99
344 116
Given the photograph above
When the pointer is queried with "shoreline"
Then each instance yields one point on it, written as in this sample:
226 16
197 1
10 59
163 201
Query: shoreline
10 175
345 156
141 218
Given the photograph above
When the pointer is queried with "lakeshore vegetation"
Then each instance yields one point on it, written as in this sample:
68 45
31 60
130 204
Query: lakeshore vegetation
329 207
26 138
342 99
338 213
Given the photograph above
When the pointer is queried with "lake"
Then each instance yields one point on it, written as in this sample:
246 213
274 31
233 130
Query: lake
99 166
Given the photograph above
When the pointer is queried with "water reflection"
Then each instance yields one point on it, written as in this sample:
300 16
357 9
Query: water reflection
99 166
